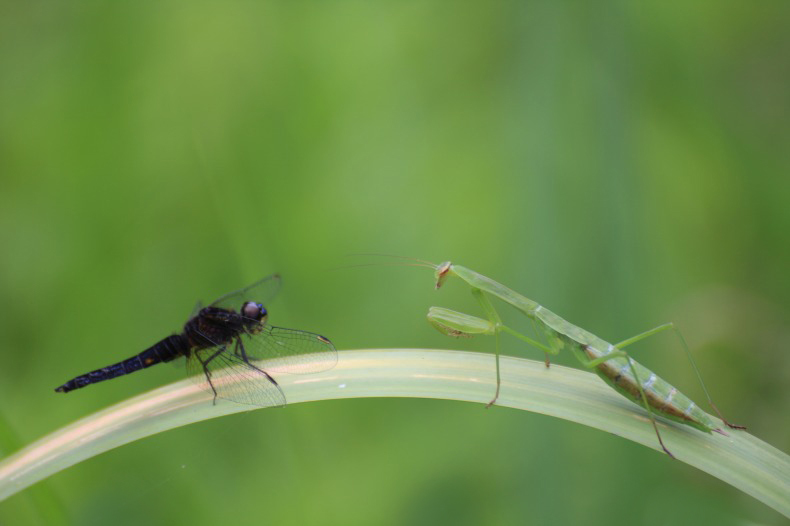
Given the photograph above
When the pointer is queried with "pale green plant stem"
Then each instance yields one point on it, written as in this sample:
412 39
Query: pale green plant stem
739 459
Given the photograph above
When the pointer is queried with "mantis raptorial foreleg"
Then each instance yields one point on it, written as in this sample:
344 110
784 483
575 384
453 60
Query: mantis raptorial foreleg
457 324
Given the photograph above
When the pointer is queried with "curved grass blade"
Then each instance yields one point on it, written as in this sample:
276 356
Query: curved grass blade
740 459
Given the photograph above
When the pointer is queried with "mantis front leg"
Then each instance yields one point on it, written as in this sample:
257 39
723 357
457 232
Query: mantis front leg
460 325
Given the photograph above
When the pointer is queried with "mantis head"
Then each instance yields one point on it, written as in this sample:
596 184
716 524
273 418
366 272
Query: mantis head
441 273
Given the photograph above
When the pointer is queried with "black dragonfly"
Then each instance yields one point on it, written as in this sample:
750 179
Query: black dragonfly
221 343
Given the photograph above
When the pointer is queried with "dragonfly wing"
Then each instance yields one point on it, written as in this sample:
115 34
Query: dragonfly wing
220 371
196 308
289 350
262 291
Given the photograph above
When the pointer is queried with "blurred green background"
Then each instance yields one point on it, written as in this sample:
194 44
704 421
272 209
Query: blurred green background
623 164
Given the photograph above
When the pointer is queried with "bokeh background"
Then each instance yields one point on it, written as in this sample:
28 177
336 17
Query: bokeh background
625 164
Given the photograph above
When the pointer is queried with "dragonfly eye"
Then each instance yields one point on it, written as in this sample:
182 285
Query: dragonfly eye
253 310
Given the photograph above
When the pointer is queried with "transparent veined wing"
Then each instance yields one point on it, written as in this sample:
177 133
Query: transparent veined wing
220 371
262 291
287 350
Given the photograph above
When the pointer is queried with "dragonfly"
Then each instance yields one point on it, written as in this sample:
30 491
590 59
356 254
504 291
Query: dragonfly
222 344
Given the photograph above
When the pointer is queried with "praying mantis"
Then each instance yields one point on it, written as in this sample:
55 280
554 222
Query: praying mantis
610 362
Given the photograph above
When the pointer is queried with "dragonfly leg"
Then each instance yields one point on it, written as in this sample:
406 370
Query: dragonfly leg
241 352
685 346
208 373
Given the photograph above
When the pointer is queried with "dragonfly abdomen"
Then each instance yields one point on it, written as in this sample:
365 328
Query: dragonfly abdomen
163 351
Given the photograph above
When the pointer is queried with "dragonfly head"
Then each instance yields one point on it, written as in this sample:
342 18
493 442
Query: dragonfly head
254 311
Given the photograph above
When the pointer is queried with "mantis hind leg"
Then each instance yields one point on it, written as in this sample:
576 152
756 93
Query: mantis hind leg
592 364
685 346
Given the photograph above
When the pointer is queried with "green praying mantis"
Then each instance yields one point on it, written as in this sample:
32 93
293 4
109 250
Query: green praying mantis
609 361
